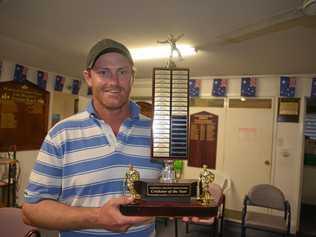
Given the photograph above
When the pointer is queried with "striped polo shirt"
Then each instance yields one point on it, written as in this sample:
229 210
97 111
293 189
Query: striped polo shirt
82 163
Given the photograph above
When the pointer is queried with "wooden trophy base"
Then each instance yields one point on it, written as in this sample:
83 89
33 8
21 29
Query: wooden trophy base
168 209
167 199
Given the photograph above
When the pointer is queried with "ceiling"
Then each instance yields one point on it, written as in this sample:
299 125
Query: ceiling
233 37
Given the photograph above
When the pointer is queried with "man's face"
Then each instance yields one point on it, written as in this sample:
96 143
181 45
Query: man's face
111 80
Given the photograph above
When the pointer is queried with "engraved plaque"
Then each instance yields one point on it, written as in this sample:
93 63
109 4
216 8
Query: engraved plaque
179 90
161 112
162 72
23 115
203 139
161 145
152 190
182 99
161 135
161 117
162 103
178 103
162 99
163 94
161 89
170 99
160 154
161 122
181 85
175 108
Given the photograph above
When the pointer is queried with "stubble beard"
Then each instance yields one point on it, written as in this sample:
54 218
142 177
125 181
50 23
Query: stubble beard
113 104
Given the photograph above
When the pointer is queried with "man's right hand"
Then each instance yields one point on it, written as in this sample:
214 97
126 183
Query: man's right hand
112 219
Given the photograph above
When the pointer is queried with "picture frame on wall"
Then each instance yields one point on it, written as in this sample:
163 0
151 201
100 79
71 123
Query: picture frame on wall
289 110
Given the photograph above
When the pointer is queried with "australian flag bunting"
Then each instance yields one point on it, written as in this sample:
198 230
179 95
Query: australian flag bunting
313 90
20 73
75 87
248 86
194 88
219 87
59 83
287 86
42 79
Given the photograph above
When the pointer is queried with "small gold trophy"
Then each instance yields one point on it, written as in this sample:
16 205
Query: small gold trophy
205 179
131 177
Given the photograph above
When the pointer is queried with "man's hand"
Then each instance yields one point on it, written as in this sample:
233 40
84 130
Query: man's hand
112 219
194 219
216 193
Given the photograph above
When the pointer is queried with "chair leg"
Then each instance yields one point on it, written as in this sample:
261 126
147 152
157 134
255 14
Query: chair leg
165 221
220 228
175 227
186 227
243 232
214 232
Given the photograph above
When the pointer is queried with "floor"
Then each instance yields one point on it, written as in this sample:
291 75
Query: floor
168 230
231 229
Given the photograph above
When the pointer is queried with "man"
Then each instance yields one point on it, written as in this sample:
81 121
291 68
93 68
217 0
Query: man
76 184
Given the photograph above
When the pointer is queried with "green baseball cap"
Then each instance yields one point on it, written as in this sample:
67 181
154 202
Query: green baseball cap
107 46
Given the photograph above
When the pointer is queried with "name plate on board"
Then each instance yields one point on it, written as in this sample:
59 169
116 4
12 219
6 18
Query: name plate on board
180 190
168 199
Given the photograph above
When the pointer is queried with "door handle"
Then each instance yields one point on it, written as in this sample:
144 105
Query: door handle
266 162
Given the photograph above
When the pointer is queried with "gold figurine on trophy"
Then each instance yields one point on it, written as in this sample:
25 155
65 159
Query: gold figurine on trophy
205 179
131 176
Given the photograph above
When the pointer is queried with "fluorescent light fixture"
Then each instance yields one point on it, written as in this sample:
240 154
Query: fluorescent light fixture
161 52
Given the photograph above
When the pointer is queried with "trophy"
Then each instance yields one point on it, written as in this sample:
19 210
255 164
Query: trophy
131 177
170 196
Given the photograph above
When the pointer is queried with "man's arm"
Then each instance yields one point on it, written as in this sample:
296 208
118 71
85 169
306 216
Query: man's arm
51 214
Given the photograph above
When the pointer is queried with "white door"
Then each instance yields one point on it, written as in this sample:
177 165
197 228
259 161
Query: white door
248 150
